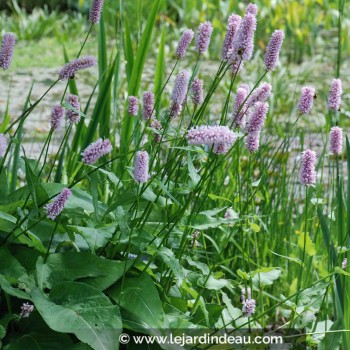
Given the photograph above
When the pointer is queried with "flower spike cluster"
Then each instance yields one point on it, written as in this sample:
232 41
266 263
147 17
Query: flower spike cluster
3 145
306 100
336 140
221 137
69 70
233 24
273 50
179 93
133 108
334 98
57 117
261 94
56 207
184 43
96 150
248 304
96 11
197 92
73 115
148 105
240 111
203 37
243 45
307 175
141 167
7 50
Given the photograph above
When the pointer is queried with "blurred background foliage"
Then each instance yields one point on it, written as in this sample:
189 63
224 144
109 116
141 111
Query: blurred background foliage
308 24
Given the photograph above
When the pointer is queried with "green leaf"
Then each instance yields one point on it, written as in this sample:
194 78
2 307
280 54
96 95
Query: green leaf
85 267
82 310
212 283
139 297
266 276
32 181
94 237
309 245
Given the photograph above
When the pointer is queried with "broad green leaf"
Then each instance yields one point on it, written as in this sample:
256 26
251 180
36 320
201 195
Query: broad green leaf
309 245
266 276
85 267
212 283
139 297
82 310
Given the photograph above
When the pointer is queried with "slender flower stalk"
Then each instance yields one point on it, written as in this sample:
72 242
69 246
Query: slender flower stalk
133 108
56 207
336 140
203 37
233 24
57 117
273 50
307 175
210 135
261 94
184 43
334 98
69 70
306 100
96 150
141 167
73 115
148 105
96 11
197 92
3 145
179 93
7 50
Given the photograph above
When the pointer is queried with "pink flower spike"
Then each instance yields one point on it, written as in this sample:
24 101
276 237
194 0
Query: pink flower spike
334 98
252 9
240 110
141 167
210 135
257 119
96 11
57 117
184 42
148 105
179 93
3 145
56 207
197 91
7 50
73 116
273 50
203 37
261 94
307 175
69 70
96 150
252 141
233 24
133 106
243 46
306 100
336 140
